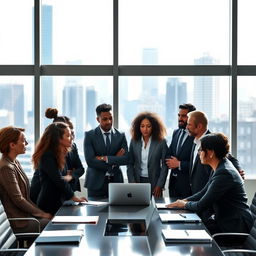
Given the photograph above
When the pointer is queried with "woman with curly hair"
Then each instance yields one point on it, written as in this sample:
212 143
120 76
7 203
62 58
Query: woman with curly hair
49 159
147 152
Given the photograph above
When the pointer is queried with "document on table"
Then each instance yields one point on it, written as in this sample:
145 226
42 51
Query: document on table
186 236
60 236
162 206
182 217
95 203
75 219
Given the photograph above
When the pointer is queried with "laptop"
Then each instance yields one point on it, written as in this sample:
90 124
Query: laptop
129 194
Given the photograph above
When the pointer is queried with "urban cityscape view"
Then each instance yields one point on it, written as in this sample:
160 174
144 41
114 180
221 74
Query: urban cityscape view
77 98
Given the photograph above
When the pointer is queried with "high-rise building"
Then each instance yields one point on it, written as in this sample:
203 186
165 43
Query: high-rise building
47 92
176 94
12 100
90 108
206 89
150 83
73 106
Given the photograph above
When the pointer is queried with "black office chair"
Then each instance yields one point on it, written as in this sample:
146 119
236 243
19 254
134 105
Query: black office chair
10 243
239 244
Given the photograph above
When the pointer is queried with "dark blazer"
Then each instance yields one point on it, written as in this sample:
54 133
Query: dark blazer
14 192
179 185
54 189
199 173
94 145
73 163
157 169
225 194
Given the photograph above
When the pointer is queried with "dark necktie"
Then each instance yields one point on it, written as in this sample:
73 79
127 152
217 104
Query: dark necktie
181 137
107 141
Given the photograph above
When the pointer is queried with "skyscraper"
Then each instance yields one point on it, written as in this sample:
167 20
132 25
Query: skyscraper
206 89
47 95
90 108
176 94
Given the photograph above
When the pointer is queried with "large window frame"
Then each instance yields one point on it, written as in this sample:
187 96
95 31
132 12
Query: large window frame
37 70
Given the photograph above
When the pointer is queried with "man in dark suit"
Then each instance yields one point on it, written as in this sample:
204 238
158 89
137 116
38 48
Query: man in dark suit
178 155
105 149
199 173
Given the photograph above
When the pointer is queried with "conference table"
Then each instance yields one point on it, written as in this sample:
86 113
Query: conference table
97 241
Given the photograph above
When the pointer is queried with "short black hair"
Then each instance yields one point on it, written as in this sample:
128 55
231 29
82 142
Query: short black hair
103 108
218 142
190 107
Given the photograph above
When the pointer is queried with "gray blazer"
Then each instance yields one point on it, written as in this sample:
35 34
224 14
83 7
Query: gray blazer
94 145
157 169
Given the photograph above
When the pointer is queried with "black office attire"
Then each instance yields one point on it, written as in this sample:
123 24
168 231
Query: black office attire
199 173
179 185
54 189
74 164
100 173
224 194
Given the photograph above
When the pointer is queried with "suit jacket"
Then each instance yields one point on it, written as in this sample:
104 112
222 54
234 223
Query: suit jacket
179 185
14 192
54 189
73 163
94 145
157 169
225 194
199 173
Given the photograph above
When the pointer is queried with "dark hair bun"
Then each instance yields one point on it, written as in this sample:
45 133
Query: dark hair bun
51 113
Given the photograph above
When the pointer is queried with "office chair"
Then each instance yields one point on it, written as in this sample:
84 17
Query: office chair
10 242
239 243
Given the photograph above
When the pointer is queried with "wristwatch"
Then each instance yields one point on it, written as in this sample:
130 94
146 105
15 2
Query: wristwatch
102 158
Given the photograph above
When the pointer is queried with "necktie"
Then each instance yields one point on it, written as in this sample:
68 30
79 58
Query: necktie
181 137
107 142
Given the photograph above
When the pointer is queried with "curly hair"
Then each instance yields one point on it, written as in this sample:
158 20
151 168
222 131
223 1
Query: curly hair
52 113
158 128
50 141
218 142
7 135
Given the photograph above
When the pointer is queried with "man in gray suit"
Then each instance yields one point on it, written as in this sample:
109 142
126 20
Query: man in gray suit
199 173
105 149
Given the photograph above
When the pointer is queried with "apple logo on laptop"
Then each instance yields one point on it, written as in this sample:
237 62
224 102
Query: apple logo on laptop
129 194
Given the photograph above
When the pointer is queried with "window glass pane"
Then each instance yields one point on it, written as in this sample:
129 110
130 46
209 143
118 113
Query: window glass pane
246 35
80 33
163 95
77 98
173 32
246 124
17 109
16 30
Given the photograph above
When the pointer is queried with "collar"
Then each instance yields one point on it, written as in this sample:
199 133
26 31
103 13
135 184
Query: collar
198 141
112 130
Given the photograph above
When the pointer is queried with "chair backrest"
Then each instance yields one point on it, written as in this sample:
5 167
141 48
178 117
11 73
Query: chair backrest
253 207
7 238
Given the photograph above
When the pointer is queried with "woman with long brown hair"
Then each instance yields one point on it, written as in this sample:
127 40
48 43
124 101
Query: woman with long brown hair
49 159
14 184
147 152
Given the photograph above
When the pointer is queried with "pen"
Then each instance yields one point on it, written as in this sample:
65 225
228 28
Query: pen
186 232
183 216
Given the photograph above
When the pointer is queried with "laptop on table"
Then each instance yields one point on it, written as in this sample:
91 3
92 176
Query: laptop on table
129 194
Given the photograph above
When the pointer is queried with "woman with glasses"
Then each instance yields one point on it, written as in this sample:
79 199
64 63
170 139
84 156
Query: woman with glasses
224 195
14 184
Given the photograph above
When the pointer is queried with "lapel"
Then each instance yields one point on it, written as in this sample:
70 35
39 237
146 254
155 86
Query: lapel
100 140
113 140
191 159
137 150
151 149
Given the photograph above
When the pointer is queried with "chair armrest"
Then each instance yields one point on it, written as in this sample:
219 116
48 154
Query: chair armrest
29 218
230 239
226 252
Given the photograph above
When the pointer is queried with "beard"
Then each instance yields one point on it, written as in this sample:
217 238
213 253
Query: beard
182 125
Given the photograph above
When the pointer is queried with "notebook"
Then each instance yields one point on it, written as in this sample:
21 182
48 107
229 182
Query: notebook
162 206
75 219
60 236
129 194
186 236
182 217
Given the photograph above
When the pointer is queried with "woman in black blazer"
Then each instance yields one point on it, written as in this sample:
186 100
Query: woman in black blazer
224 195
50 159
